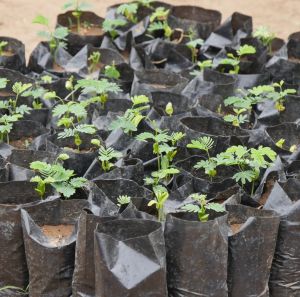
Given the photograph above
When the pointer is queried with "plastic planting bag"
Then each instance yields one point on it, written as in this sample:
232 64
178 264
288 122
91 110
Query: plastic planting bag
285 273
252 244
50 234
197 255
13 197
130 259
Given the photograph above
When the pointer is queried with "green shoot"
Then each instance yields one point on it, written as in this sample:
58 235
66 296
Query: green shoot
94 60
112 72
265 36
129 10
202 65
61 179
110 26
3 44
234 61
106 155
194 46
160 14
202 206
169 109
78 7
133 116
161 196
123 200
238 118
161 26
56 39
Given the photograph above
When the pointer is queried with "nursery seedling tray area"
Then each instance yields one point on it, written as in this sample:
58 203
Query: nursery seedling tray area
135 143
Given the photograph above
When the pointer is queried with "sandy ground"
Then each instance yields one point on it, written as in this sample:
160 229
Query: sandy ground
281 16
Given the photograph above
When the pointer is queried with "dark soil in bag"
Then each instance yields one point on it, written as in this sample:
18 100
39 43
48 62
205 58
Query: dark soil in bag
293 45
130 259
13 56
14 196
90 34
196 255
285 272
252 244
50 234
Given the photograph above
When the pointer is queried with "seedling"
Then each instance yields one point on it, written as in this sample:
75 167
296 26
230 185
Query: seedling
145 3
36 93
281 144
56 39
6 125
202 65
265 36
234 61
238 118
55 175
280 96
112 72
202 206
205 144
78 7
169 109
161 196
160 14
100 88
94 60
106 155
133 116
161 26
248 162
129 10
3 44
110 26
194 46
123 200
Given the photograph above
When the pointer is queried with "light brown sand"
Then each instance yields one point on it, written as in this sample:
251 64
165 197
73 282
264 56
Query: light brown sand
281 16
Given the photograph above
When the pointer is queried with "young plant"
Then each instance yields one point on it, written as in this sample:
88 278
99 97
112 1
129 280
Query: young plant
265 36
99 89
161 196
281 144
161 26
94 60
201 207
3 44
78 7
110 26
6 125
280 96
234 60
129 10
248 162
194 46
238 118
56 39
202 65
112 72
160 14
19 291
123 200
55 175
169 109
106 155
145 3
133 116
205 144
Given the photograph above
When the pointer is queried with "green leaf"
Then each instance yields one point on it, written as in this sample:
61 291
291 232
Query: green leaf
102 86
191 208
217 207
140 99
3 83
123 200
244 176
41 20
204 143
18 87
78 182
23 109
127 8
61 33
195 43
64 188
112 72
87 129
246 50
